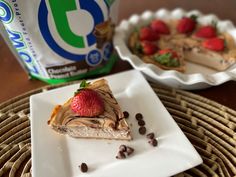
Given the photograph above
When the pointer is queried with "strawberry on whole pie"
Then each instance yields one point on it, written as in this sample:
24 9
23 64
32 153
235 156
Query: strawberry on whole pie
148 48
207 31
92 112
201 44
215 44
148 34
160 27
186 24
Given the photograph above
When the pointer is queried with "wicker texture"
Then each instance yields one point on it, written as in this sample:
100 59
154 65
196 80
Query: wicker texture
210 126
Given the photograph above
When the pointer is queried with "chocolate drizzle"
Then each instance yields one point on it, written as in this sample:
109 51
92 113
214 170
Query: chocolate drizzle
112 116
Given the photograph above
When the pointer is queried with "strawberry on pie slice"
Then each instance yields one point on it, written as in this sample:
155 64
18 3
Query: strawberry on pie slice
93 112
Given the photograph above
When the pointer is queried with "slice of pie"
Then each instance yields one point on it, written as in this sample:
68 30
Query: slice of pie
195 51
92 113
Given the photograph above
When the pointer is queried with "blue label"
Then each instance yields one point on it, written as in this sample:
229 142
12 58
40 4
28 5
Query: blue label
94 58
107 51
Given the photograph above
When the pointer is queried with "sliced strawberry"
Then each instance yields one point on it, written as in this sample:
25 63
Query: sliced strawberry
206 32
148 48
147 34
160 27
186 24
216 44
87 103
170 51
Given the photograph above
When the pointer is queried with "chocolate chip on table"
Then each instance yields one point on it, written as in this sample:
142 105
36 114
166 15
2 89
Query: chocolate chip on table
122 148
121 155
126 114
153 142
150 135
129 150
83 167
141 123
142 130
139 116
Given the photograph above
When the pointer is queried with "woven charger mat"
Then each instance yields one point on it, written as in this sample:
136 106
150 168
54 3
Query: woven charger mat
210 126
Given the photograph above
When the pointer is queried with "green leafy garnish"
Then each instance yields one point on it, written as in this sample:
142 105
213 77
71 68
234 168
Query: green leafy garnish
138 48
82 85
194 17
147 23
167 60
214 24
136 30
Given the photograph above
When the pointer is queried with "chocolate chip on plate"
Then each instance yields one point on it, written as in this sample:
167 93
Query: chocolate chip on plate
150 135
120 155
83 167
122 148
126 114
153 142
141 123
129 150
142 130
139 116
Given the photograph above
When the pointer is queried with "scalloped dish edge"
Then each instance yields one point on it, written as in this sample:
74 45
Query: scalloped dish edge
176 79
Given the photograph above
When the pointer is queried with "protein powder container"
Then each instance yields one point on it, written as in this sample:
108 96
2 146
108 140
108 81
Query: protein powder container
58 41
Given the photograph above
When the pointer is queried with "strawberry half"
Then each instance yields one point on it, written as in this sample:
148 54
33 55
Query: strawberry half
160 27
206 32
87 103
147 34
186 24
148 48
216 44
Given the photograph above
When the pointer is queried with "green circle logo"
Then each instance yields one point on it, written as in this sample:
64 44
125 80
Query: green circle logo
6 13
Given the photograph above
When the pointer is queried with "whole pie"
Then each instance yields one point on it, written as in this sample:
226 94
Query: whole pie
168 44
93 112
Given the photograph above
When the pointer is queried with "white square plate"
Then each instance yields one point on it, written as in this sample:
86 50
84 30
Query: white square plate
55 155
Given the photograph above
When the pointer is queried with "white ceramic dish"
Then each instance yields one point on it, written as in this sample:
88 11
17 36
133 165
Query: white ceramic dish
196 76
55 155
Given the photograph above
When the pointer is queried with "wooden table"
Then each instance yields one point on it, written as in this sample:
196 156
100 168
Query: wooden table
14 80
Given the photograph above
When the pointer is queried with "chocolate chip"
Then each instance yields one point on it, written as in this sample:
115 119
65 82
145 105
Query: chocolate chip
153 142
129 150
83 167
150 135
141 123
126 114
139 116
142 130
122 148
120 155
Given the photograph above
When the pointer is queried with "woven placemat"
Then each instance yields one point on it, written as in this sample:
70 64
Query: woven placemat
210 126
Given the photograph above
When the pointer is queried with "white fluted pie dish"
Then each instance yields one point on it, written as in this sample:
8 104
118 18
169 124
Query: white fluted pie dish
195 76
